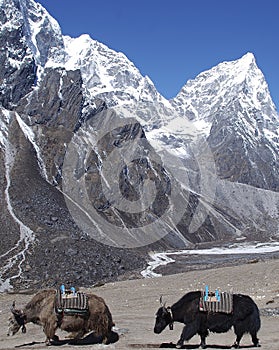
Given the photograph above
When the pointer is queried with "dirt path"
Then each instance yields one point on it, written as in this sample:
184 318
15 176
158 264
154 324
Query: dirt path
134 303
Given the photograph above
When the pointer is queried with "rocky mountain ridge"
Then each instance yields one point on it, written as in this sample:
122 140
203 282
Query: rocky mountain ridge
211 152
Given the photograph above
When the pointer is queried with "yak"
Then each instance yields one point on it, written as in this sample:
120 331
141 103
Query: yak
41 310
245 318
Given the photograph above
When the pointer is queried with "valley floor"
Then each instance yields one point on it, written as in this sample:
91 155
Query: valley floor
133 304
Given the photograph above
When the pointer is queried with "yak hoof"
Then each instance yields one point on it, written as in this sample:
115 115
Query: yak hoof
203 345
236 345
178 346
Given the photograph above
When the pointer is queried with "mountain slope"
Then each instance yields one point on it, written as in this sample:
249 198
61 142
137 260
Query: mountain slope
91 153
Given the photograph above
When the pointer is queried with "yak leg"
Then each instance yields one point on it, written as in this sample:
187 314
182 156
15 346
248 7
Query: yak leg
237 341
106 338
187 333
239 335
50 327
255 340
203 336
239 330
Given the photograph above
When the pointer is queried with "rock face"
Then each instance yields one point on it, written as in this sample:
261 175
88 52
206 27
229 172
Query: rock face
205 165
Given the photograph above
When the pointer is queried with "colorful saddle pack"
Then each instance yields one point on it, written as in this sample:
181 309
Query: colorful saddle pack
70 302
216 301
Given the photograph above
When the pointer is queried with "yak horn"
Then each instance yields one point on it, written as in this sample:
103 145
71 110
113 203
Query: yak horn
13 307
15 311
161 301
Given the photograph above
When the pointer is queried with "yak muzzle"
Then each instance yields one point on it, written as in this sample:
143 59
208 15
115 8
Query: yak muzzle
157 330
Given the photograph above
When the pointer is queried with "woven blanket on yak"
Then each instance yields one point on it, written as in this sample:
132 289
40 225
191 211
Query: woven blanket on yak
211 304
70 304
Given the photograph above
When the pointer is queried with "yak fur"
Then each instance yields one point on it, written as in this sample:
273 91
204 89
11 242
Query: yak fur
244 319
41 310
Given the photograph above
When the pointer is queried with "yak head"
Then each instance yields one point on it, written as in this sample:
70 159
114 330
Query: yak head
163 318
16 321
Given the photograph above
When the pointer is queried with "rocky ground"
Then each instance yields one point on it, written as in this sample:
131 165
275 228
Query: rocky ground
133 304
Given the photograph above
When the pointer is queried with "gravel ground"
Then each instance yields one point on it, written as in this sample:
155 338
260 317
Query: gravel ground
133 304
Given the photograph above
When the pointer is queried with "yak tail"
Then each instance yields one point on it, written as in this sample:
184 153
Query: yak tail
256 324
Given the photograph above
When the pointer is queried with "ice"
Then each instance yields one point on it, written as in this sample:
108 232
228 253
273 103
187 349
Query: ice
164 258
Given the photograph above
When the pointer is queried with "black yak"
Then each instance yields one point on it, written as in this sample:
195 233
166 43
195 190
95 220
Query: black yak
245 318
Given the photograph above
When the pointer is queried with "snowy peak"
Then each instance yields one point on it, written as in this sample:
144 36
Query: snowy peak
108 75
104 71
219 86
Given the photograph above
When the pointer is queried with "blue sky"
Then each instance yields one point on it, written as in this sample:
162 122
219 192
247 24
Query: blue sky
172 41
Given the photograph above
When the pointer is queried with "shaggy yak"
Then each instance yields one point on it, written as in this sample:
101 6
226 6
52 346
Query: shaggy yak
41 310
244 318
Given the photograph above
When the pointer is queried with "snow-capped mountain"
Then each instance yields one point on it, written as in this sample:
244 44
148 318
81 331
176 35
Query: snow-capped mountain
232 104
213 89
68 104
